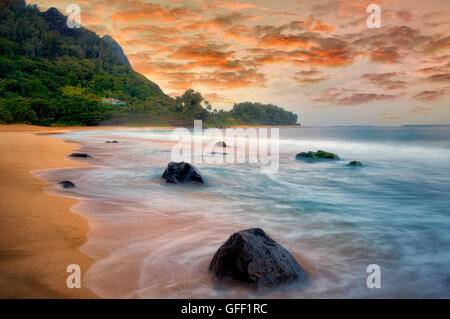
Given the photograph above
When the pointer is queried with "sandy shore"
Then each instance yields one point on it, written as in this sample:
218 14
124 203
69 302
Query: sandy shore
39 235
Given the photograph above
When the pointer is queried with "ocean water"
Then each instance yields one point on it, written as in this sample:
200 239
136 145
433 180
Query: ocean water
152 240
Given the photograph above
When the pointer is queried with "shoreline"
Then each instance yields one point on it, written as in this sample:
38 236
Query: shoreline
39 234
121 257
145 235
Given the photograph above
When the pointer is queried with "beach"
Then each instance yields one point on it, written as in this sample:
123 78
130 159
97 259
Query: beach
39 235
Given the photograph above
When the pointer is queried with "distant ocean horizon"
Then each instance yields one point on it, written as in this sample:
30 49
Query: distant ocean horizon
152 240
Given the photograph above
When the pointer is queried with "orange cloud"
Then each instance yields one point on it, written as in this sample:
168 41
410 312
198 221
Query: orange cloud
281 41
443 43
238 79
350 97
309 76
386 55
136 43
220 22
148 28
322 27
430 95
352 8
325 57
419 110
385 80
205 55
309 80
216 98
87 18
151 12
217 79
240 33
442 77
231 5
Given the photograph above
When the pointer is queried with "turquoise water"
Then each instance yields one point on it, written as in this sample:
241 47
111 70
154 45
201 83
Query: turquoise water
154 240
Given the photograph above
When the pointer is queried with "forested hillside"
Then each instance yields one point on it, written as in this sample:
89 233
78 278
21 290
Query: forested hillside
54 75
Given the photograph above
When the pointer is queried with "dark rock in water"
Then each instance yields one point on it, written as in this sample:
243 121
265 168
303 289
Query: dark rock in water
182 173
221 144
305 155
327 155
112 141
317 155
83 155
67 184
252 256
355 163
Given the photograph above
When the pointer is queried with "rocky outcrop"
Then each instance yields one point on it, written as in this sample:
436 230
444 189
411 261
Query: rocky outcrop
253 257
317 155
67 184
182 173
58 23
355 163
117 49
82 155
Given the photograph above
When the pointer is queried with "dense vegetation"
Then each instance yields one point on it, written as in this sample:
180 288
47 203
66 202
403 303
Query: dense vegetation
53 75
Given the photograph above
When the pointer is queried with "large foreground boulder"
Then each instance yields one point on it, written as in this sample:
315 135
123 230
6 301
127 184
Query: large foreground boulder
317 155
253 257
180 173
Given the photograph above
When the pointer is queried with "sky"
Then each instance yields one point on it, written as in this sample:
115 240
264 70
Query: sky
318 59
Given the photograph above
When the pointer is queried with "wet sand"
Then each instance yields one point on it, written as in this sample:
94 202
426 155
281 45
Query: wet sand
39 235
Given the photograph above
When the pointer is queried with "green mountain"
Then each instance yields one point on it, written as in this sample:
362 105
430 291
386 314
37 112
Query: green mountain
117 49
54 75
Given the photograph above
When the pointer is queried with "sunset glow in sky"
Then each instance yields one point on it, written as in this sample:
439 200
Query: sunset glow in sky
315 58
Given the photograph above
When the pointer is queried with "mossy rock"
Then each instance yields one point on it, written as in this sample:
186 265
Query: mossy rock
355 163
305 155
317 155
327 155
